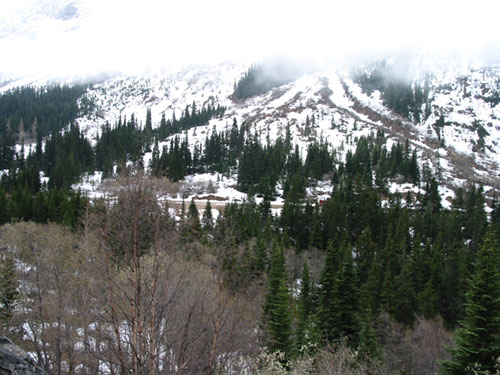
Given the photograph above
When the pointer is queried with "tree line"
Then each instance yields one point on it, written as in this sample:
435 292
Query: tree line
66 155
409 99
261 78
34 113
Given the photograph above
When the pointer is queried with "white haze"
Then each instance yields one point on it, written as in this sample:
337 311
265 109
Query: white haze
129 36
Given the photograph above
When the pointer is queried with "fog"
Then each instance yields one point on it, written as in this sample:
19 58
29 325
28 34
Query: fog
82 37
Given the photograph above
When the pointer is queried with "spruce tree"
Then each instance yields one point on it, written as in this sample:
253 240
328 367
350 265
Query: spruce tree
339 297
4 212
155 160
316 232
454 284
306 334
368 344
327 303
193 214
403 305
183 211
207 219
260 252
365 252
277 317
347 297
8 289
148 129
192 229
478 340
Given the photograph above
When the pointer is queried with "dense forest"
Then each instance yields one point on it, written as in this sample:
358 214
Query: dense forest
409 99
365 282
67 155
261 78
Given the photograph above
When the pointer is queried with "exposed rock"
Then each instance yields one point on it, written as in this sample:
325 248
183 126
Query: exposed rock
15 361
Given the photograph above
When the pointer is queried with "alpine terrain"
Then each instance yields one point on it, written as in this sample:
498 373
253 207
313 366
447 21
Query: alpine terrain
184 190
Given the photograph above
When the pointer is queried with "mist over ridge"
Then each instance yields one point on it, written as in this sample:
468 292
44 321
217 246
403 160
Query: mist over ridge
65 38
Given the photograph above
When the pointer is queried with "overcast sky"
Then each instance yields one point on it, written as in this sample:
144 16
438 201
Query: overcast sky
132 35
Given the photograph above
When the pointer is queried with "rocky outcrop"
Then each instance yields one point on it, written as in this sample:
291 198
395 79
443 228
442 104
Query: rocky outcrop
15 361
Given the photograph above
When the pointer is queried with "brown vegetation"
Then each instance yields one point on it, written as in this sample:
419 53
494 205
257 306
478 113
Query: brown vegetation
123 298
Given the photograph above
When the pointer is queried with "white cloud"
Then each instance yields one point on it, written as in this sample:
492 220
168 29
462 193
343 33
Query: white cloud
131 35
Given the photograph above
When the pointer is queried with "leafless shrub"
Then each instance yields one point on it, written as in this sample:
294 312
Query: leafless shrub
416 350
124 298
342 360
427 342
333 360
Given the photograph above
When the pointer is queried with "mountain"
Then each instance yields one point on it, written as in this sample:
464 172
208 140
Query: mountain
446 109
375 175
448 113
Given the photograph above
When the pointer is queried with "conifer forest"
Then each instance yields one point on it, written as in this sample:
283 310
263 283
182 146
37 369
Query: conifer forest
367 281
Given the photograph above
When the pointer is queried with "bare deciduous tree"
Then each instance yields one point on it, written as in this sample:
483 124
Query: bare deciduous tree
125 297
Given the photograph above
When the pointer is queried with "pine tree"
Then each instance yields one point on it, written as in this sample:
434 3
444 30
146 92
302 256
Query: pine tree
316 232
306 334
260 252
207 219
368 344
154 165
347 297
365 252
454 284
277 317
148 130
478 340
4 212
403 307
191 227
193 218
327 303
8 289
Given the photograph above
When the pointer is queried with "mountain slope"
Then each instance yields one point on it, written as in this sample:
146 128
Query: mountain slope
457 138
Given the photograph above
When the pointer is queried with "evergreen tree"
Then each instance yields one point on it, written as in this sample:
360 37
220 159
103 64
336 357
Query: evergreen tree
277 317
154 165
404 302
327 303
8 289
370 297
365 252
347 298
316 233
148 130
339 297
368 344
192 227
306 334
454 284
4 207
260 252
207 219
478 340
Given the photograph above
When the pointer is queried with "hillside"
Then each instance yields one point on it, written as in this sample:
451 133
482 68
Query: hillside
337 215
456 136
230 188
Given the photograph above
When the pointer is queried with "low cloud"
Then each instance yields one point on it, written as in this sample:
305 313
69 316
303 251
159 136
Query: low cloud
130 36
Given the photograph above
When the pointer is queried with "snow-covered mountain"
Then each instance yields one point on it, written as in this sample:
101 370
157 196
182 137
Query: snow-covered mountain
457 135
464 148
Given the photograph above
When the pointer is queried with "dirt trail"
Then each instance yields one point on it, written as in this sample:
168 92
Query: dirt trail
219 205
